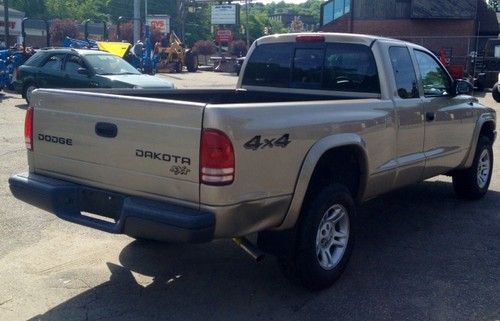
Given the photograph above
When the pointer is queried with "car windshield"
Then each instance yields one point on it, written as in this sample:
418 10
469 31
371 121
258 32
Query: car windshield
110 65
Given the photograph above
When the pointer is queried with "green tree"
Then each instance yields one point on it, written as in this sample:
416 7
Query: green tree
78 9
32 8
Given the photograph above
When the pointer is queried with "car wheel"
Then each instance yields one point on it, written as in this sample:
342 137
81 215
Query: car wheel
325 239
473 183
495 93
28 91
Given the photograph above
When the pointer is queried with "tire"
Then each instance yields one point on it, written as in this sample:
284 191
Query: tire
27 90
310 265
495 93
191 62
472 183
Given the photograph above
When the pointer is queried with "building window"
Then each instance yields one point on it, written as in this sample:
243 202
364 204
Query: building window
333 10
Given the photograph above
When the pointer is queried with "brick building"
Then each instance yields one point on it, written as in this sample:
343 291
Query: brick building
450 26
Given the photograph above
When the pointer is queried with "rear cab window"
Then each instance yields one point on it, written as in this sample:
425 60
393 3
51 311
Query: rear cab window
326 66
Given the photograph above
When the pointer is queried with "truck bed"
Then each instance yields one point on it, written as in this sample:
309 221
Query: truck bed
229 96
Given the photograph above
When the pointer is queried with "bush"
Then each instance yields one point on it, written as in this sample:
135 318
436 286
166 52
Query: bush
204 47
60 29
238 48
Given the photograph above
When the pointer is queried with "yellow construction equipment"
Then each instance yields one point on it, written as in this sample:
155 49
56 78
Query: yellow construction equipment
175 56
119 49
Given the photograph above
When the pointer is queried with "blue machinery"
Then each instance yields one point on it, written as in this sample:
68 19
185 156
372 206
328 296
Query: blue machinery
12 58
141 56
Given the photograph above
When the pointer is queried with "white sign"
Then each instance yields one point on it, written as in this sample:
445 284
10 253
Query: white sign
14 26
224 14
159 22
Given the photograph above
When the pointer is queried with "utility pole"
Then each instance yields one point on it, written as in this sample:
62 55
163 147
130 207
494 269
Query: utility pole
6 21
246 24
137 17
146 10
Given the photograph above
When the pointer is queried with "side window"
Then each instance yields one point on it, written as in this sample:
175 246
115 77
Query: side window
72 64
307 68
350 67
269 65
434 79
404 73
54 62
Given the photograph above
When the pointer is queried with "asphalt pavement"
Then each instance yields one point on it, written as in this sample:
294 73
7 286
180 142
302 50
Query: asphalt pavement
421 254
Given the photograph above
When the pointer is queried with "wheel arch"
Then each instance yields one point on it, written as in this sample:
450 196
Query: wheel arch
486 125
320 154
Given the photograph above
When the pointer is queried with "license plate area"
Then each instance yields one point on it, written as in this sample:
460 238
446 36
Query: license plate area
101 203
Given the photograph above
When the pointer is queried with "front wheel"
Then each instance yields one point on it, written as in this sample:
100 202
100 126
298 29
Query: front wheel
325 238
472 183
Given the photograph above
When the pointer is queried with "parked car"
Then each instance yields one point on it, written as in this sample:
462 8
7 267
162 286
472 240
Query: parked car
80 68
319 124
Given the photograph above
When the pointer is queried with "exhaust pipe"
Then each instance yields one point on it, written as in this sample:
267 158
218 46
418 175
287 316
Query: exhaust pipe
249 248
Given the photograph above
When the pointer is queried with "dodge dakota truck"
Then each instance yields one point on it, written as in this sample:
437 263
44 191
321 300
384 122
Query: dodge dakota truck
318 124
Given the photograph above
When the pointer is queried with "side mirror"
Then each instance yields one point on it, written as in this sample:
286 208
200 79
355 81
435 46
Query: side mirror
463 87
83 71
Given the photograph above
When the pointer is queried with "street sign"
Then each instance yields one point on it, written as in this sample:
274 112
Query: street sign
224 14
224 36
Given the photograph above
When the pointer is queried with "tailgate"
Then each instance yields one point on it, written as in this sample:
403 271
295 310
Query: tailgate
139 146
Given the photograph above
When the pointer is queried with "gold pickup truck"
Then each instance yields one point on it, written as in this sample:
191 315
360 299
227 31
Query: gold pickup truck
318 124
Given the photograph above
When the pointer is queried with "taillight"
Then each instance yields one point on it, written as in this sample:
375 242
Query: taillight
28 128
18 73
216 158
310 38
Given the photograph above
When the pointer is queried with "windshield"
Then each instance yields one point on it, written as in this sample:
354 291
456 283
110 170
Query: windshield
106 64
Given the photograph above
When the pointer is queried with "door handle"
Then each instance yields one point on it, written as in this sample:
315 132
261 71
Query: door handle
107 130
430 116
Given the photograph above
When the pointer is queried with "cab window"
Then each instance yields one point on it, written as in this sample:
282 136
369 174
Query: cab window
350 67
435 80
404 73
335 66
307 68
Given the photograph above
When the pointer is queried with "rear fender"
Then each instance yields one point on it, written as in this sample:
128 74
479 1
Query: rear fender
308 165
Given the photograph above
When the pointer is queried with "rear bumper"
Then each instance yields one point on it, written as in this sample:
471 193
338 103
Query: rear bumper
134 216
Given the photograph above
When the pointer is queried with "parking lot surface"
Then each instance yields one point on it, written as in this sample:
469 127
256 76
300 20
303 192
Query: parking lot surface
421 254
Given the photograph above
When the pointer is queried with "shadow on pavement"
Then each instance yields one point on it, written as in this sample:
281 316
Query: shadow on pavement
421 254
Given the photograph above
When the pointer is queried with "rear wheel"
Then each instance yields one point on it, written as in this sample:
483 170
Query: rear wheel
472 183
325 239
495 93
28 92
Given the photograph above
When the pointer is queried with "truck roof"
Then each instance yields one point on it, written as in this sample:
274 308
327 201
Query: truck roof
328 37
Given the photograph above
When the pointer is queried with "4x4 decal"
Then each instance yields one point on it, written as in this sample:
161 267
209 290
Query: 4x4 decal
258 142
